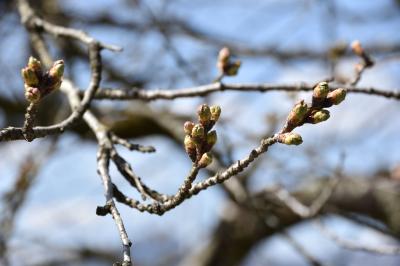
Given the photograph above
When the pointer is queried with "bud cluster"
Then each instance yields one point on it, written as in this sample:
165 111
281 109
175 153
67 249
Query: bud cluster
199 137
225 64
302 113
38 84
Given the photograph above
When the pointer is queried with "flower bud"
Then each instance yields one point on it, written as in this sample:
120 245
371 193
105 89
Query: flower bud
321 90
319 116
337 96
57 70
357 48
29 77
298 113
215 112
198 131
290 139
32 94
188 127
204 114
233 68
205 160
211 139
35 64
224 55
190 147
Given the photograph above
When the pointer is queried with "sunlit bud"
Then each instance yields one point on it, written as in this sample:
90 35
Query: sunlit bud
337 96
29 76
198 131
290 139
298 113
57 70
319 116
321 90
188 127
32 94
215 112
211 139
35 64
357 48
205 160
204 113
224 55
233 68
190 147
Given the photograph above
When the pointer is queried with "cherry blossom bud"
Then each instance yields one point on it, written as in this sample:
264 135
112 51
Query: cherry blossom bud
205 160
198 131
215 112
190 147
298 113
337 96
188 127
319 116
32 94
211 139
290 139
204 114
29 76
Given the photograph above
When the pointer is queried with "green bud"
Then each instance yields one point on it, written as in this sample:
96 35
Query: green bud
298 113
29 77
190 147
233 68
57 70
290 138
198 131
34 64
32 94
211 139
319 116
205 160
215 112
204 113
337 96
321 90
188 127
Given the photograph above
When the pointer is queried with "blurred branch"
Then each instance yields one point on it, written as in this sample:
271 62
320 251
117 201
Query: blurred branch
300 249
356 246
14 199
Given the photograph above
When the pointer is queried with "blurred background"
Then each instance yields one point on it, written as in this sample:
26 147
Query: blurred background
49 189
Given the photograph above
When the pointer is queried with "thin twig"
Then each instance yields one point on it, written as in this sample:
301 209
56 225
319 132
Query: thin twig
356 246
300 249
203 90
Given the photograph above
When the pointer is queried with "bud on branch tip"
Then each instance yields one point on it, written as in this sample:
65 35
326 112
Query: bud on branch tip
199 139
37 84
290 138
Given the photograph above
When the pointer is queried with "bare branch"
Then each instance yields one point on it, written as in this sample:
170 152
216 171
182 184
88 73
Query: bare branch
356 246
164 94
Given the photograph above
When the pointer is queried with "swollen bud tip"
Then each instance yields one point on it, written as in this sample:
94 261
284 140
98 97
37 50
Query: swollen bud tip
205 160
337 96
198 131
188 127
298 113
215 112
321 90
290 138
204 114
211 139
319 116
